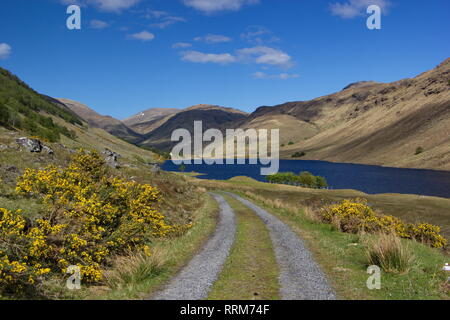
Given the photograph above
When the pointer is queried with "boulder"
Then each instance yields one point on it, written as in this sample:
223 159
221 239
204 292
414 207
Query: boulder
47 149
155 168
111 158
32 145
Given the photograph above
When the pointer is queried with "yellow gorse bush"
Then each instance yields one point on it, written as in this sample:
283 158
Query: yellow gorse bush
354 216
90 215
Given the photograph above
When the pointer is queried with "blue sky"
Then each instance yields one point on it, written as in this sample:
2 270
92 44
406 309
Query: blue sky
132 55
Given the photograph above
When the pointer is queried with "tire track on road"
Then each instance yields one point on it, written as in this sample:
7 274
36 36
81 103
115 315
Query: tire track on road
194 281
300 276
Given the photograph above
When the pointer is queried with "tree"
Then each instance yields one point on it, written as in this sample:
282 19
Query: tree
419 150
321 182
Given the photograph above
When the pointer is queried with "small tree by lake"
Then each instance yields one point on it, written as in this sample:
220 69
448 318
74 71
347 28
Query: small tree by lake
419 150
304 179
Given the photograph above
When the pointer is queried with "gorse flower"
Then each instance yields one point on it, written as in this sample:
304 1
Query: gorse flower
89 216
353 216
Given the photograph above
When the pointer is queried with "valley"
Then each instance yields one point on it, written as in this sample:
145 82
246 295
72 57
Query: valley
367 123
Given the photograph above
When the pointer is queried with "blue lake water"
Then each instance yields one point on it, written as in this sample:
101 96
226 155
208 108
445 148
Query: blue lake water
369 179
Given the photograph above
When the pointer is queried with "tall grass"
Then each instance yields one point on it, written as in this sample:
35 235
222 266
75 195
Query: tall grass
389 253
134 268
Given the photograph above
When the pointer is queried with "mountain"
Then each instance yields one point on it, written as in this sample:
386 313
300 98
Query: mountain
107 123
369 122
146 121
212 117
25 109
27 113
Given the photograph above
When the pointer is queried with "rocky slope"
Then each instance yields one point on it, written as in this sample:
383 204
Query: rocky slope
372 123
211 116
107 123
146 121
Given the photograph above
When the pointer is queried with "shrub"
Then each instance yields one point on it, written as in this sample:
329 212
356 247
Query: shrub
90 215
299 154
355 216
290 143
419 150
304 179
429 234
390 254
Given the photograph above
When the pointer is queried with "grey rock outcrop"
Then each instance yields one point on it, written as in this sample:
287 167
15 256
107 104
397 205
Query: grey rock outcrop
32 145
111 158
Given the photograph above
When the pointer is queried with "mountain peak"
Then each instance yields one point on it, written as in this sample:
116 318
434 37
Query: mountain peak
360 84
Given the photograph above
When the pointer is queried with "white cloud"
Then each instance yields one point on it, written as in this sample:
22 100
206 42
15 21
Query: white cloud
260 55
167 21
200 57
211 6
104 5
355 8
155 14
266 55
258 35
213 38
281 76
5 50
143 36
99 24
179 45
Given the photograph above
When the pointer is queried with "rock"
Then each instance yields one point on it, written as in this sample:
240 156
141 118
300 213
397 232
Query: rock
111 158
3 147
32 145
47 149
12 169
155 168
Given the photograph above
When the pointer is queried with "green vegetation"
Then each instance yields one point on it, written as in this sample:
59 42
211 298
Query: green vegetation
137 276
299 154
390 253
163 154
146 266
304 179
250 272
344 258
23 108
419 150
290 143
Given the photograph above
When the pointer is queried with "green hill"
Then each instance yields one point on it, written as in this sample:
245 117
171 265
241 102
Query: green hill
23 108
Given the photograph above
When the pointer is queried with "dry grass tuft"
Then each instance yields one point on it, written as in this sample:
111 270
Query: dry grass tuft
135 267
389 253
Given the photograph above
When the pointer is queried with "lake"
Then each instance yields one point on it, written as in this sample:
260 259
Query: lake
366 178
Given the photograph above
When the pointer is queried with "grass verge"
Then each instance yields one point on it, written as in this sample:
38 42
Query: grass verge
343 257
250 272
139 277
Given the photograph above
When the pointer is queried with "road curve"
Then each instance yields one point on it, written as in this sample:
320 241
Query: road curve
300 276
194 281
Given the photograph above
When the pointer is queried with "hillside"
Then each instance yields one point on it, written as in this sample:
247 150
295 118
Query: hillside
211 116
368 122
23 108
26 113
107 123
146 121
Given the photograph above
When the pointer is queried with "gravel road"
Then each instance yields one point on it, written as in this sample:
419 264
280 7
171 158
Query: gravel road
195 280
300 276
